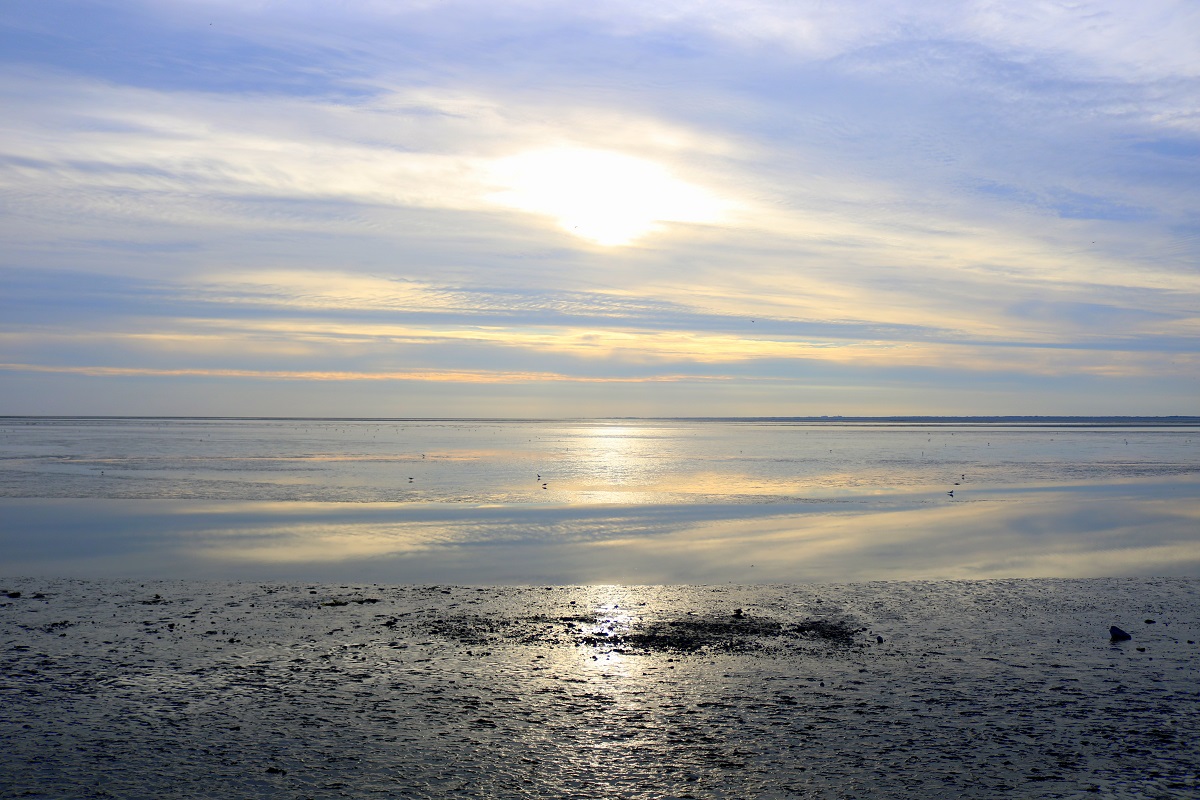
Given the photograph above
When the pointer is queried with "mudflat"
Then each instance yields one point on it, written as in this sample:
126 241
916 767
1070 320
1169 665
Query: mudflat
888 689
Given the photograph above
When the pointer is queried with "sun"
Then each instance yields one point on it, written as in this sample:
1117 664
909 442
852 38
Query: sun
606 197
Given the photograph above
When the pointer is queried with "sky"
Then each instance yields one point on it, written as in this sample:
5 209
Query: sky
561 209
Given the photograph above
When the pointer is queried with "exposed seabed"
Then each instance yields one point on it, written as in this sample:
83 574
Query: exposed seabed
893 689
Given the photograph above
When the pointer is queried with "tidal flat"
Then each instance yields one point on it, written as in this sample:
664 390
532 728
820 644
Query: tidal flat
899 689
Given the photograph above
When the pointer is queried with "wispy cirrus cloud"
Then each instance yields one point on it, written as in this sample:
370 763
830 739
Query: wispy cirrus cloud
770 196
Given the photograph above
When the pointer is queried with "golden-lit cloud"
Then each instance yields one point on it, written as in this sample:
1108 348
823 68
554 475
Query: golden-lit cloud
471 346
428 376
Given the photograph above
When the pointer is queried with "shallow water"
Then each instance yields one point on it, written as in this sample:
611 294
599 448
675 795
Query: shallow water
578 462
628 501
978 689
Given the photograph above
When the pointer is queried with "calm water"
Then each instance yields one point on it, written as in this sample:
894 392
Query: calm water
571 501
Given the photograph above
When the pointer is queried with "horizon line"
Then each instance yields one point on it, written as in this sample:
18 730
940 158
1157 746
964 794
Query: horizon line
1094 419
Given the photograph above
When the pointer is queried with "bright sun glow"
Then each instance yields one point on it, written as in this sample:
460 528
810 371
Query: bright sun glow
608 198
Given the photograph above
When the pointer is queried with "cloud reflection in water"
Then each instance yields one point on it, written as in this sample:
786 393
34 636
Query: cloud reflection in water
1129 528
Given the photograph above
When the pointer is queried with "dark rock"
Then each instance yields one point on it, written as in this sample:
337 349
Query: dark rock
879 639
1149 622
276 771
1118 635
739 613
13 595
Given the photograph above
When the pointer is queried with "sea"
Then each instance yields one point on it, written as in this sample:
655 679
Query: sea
693 501
643 609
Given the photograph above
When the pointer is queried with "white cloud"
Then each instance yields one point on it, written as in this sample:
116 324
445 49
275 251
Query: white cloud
410 149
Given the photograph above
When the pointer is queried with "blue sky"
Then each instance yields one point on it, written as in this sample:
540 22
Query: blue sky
562 209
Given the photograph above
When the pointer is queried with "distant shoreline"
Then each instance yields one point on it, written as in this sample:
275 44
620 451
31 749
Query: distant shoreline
1019 421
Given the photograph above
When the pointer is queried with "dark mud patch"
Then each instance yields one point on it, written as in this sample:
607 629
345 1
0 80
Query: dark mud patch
726 636
50 627
689 634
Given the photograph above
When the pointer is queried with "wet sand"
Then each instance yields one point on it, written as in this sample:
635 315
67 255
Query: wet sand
891 689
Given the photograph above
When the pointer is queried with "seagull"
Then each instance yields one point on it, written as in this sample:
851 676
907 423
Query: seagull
951 493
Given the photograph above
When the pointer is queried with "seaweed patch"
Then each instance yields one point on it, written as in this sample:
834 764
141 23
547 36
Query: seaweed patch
738 633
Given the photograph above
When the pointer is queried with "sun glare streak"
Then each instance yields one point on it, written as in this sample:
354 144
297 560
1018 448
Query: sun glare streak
608 198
